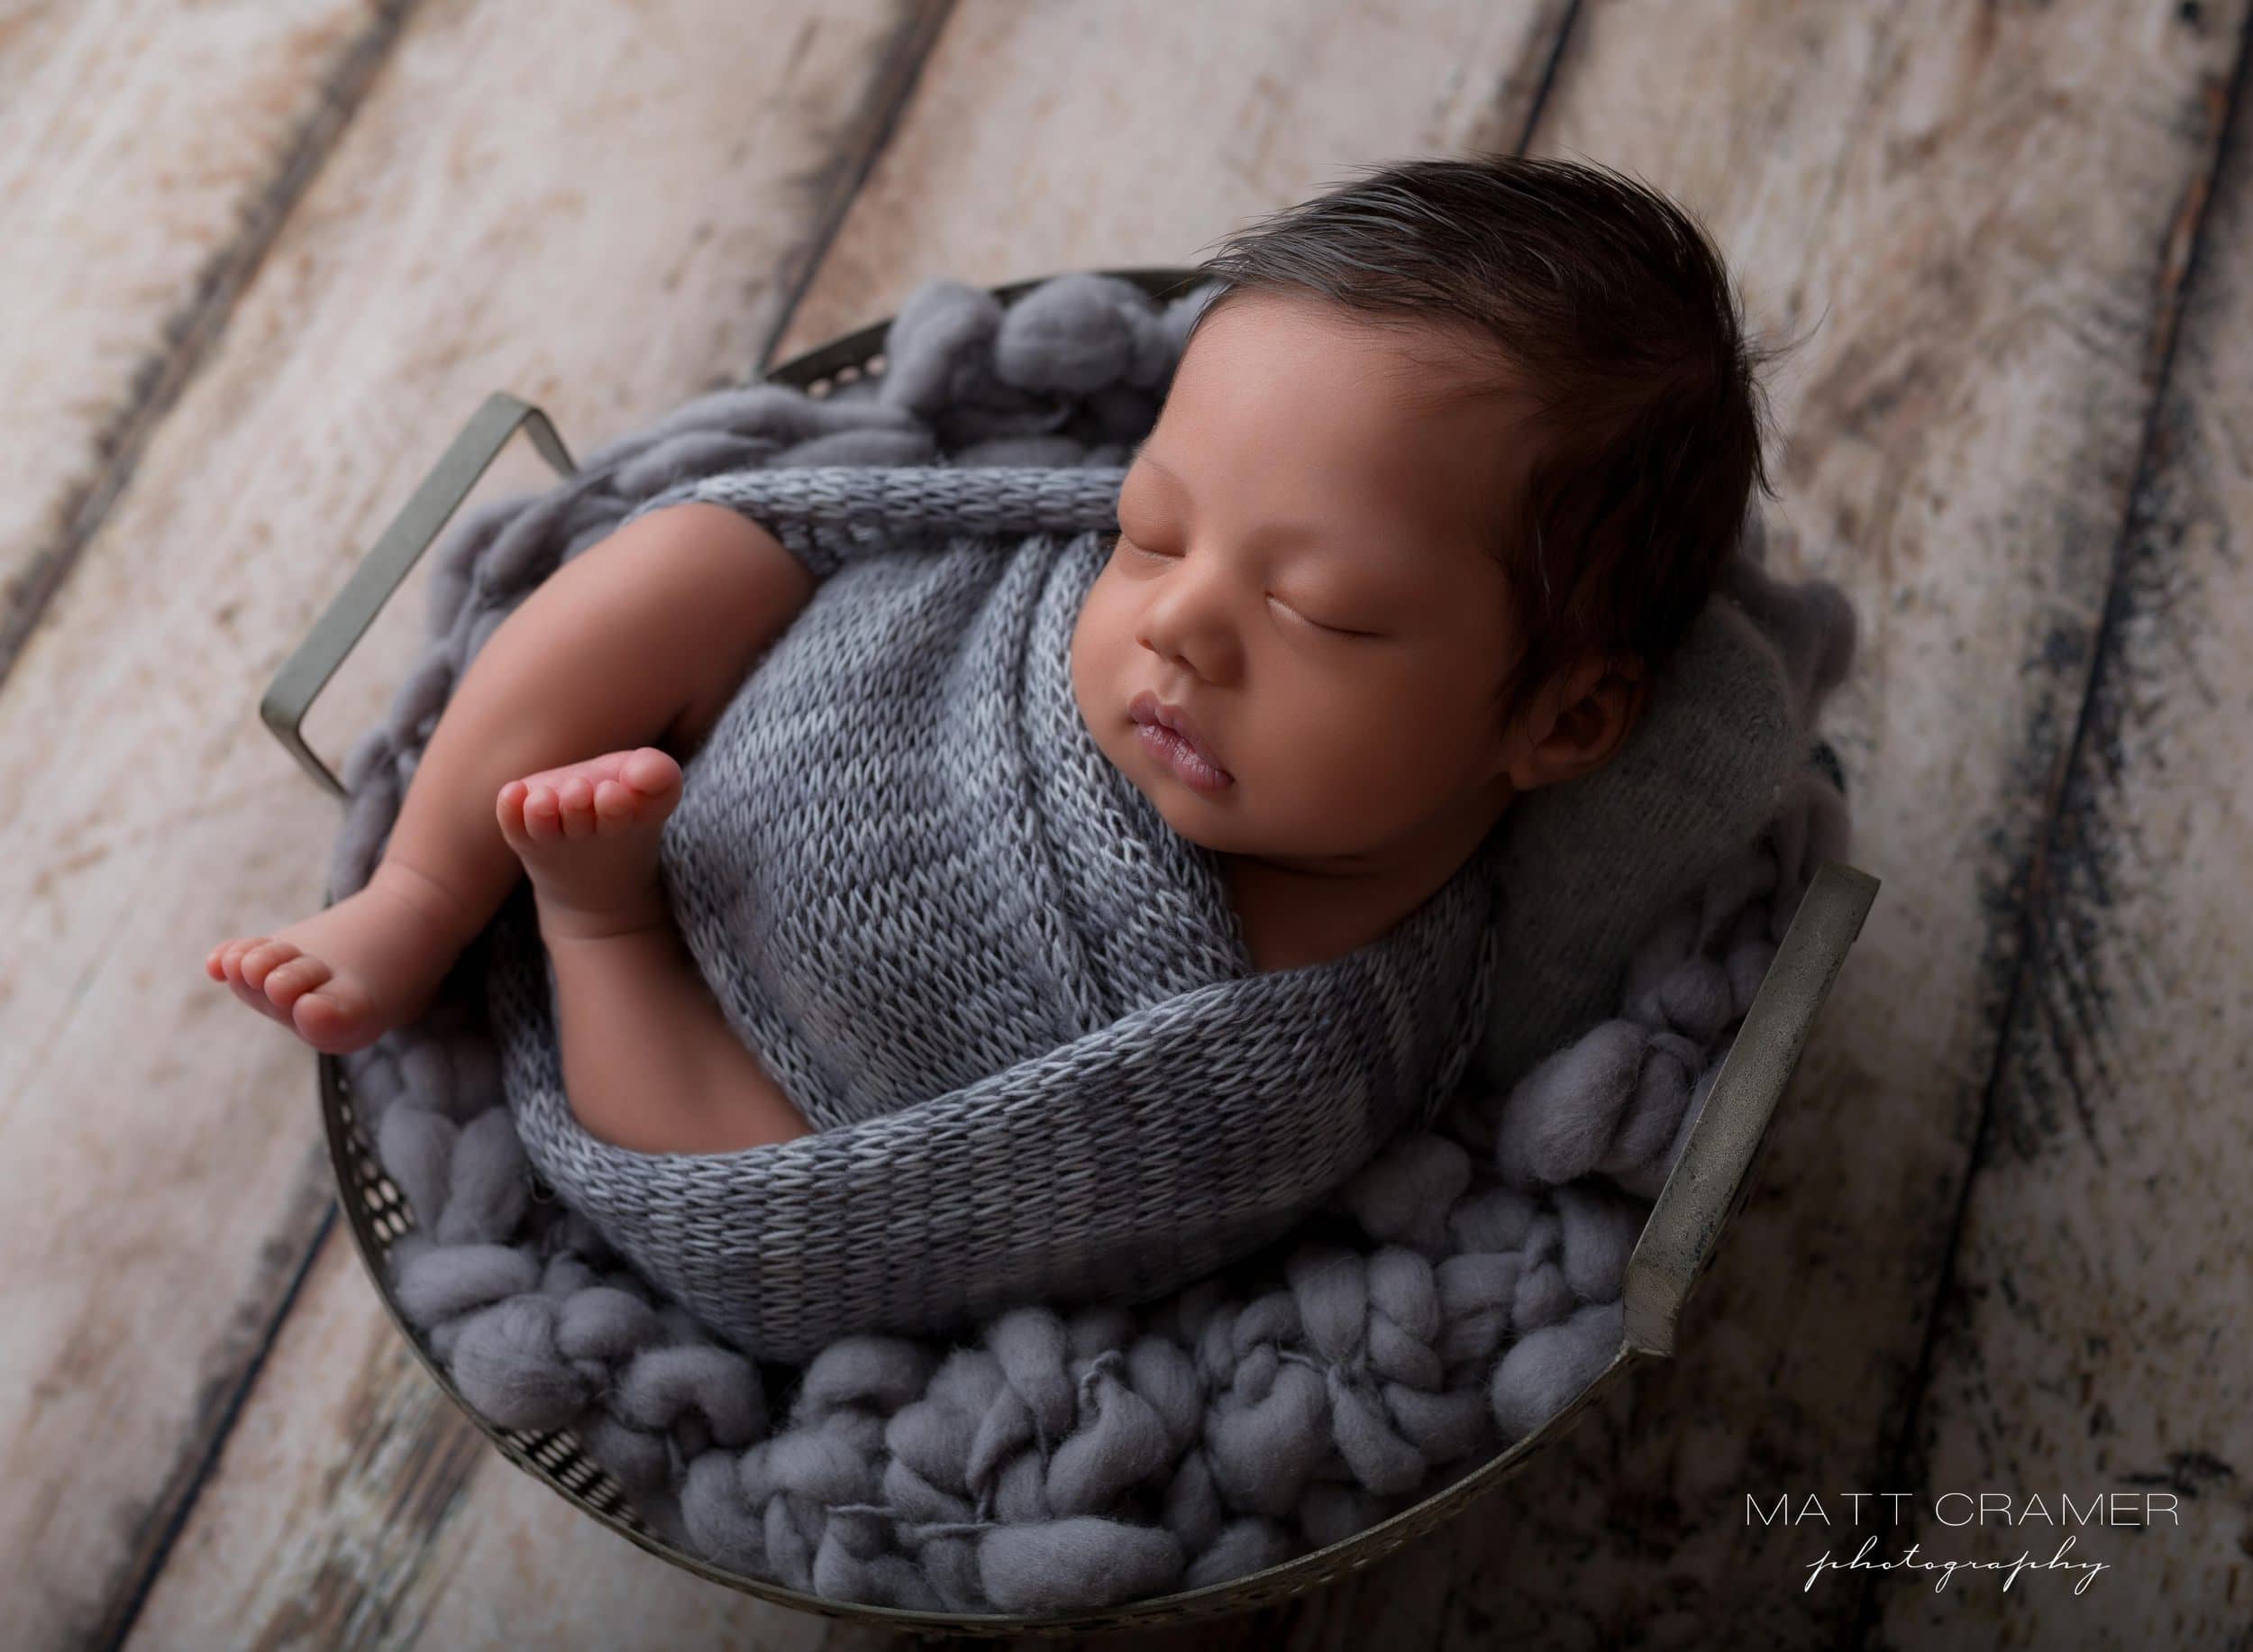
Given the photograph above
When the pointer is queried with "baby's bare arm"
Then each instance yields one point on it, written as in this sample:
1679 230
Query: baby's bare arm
649 1062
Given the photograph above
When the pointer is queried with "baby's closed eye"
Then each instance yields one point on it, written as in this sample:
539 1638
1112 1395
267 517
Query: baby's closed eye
1115 539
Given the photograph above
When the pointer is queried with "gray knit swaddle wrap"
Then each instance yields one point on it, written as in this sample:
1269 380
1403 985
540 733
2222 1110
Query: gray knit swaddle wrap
1014 1003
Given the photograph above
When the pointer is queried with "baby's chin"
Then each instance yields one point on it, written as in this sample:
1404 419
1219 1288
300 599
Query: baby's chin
1209 823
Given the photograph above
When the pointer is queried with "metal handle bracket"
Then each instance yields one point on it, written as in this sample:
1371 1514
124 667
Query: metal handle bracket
427 511
1709 1181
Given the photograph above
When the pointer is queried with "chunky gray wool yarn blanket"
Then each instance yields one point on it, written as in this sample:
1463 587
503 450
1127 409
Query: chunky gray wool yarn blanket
1449 1295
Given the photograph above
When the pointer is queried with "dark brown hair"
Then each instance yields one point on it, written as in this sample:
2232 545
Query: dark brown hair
1607 303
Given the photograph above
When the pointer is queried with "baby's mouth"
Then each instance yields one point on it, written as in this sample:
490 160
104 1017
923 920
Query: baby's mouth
1167 732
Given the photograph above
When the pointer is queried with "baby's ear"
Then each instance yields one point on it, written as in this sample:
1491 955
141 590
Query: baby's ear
1591 713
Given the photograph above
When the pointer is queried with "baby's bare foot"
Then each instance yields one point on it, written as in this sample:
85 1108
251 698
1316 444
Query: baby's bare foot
342 977
588 834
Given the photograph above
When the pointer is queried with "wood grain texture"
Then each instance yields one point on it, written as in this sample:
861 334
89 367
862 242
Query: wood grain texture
1045 138
356 1505
1985 208
600 209
148 152
2094 1338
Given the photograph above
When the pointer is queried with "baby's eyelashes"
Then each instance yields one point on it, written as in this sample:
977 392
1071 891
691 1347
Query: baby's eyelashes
1112 541
1318 625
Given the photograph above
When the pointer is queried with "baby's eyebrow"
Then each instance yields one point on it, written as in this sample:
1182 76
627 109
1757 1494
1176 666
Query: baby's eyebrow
1294 533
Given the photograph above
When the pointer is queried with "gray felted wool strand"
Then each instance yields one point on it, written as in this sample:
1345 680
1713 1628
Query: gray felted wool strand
1451 1294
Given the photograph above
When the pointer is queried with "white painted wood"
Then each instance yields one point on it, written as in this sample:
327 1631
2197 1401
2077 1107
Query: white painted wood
356 1505
2094 1336
145 151
1044 138
594 206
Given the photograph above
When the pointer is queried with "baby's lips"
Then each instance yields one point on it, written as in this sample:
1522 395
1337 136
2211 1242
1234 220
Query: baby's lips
1147 710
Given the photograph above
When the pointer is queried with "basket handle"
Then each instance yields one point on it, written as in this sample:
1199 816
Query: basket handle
431 507
1709 1181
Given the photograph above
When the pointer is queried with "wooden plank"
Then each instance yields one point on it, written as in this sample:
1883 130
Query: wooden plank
1310 95
2094 1333
1045 138
147 153
603 209
1988 208
427 1535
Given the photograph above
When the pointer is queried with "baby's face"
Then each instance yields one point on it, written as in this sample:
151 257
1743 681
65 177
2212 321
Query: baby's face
1301 574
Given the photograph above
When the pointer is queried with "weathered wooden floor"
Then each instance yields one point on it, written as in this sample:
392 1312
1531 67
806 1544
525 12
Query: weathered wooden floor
259 259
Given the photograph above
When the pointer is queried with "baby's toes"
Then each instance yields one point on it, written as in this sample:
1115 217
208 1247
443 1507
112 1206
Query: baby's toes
616 806
230 957
651 773
335 1016
575 803
229 962
290 981
508 808
262 960
543 819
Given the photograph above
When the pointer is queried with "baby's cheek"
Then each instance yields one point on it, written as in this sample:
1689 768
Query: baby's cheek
1339 743
1397 736
1089 664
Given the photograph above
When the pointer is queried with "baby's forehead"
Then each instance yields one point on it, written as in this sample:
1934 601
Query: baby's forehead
1400 508
1393 426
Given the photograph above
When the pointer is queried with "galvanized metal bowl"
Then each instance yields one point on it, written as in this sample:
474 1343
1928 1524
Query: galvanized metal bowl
1678 1241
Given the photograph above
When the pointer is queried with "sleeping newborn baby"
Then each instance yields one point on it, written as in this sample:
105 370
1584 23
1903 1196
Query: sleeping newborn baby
1443 474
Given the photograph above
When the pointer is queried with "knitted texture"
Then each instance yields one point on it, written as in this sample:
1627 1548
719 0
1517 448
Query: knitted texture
1015 1004
1459 1289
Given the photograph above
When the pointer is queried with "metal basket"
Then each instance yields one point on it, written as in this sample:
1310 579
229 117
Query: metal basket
1678 1241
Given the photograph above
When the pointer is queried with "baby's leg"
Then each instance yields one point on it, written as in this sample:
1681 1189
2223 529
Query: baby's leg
639 640
649 1062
